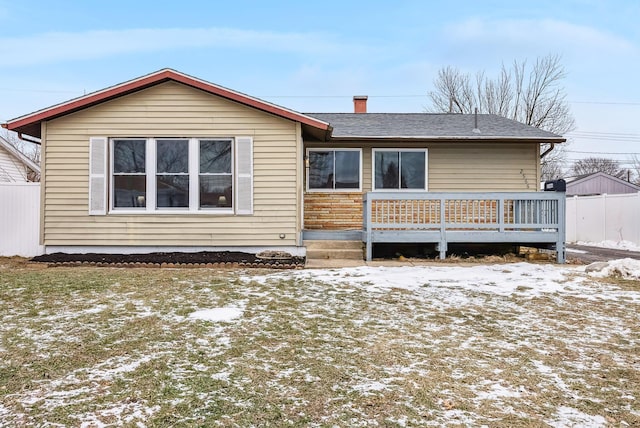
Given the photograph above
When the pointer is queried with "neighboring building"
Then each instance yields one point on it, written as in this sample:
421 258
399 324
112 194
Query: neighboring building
14 165
171 162
599 183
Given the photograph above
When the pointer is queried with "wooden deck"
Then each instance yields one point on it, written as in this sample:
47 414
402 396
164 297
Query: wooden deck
533 218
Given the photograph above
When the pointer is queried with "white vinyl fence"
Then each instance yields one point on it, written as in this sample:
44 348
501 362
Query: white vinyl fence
20 219
604 218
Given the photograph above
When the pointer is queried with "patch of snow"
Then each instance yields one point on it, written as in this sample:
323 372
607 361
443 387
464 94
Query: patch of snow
125 413
557 380
498 391
310 378
200 367
126 368
402 422
285 374
224 375
570 417
367 388
217 314
494 279
95 310
462 285
224 341
614 245
625 268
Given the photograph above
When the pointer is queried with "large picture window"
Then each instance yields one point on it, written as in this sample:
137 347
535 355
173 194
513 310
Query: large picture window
400 169
336 169
181 174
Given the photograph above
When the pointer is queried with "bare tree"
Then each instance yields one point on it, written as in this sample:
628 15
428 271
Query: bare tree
531 95
593 165
551 166
635 165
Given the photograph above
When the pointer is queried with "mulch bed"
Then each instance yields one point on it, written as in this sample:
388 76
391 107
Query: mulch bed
210 259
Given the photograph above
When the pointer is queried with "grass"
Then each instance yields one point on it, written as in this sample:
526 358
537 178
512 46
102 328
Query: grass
109 346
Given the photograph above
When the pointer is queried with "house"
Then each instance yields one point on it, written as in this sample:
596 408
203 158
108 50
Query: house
14 165
170 162
599 183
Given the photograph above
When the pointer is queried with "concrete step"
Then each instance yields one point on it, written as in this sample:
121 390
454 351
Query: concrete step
333 263
344 254
333 245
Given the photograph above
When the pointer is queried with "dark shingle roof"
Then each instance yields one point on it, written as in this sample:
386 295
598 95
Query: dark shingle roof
429 125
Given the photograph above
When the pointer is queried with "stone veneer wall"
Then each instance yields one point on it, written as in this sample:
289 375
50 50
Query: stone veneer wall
332 211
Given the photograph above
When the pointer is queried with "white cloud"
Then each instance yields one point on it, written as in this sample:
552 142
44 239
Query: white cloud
549 34
65 46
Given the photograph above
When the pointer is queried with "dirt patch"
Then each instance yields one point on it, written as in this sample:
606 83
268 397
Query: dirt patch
203 259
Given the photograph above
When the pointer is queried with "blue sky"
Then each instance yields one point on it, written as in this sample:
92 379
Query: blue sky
314 56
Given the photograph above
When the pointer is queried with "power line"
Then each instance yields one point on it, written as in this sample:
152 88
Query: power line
341 96
604 133
629 103
51 91
606 138
601 153
621 103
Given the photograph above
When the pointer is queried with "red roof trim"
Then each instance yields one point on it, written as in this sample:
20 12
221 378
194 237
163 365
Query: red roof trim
153 79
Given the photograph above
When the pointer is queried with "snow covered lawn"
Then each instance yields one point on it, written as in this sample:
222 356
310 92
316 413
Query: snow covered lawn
498 345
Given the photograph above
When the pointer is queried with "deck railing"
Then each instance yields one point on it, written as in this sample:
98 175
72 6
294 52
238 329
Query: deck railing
442 218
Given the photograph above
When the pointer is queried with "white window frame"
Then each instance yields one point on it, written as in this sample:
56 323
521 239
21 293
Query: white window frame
189 174
335 149
194 190
194 179
426 169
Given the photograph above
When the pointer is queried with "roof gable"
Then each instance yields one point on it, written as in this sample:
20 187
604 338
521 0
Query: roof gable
600 176
19 156
30 124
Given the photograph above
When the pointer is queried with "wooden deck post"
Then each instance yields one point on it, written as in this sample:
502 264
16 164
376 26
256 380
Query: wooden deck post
366 219
442 245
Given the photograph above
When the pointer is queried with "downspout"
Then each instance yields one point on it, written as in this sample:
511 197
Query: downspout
546 152
300 185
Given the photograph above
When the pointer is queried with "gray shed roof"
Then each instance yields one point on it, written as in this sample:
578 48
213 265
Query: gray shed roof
430 126
598 183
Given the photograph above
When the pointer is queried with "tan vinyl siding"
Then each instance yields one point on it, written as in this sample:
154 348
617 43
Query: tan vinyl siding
472 167
484 167
171 110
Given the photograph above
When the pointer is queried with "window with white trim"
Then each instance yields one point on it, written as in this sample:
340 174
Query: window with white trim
172 173
178 175
334 169
216 174
404 169
129 173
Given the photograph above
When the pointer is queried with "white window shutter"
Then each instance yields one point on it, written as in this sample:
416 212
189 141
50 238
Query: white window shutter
98 175
244 175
